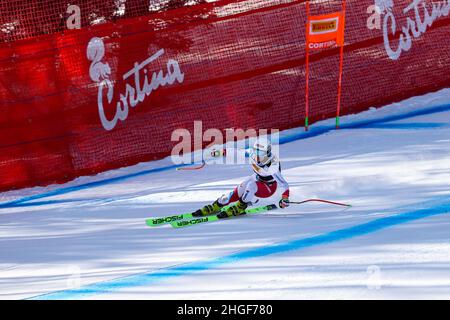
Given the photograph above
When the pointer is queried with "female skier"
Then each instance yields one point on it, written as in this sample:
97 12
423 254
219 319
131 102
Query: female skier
262 184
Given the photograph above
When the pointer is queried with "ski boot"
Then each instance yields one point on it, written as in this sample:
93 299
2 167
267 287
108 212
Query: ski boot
208 210
234 210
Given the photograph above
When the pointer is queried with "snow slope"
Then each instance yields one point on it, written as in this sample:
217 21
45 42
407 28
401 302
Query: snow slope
87 239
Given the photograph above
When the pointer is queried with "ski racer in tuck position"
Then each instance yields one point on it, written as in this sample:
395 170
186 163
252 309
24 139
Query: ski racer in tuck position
263 183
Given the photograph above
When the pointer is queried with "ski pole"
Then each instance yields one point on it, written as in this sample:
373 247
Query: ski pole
197 167
214 154
320 200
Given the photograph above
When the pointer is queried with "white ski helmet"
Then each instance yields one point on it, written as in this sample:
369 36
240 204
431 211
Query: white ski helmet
262 152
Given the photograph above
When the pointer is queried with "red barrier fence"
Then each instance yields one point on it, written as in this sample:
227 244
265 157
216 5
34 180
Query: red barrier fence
78 102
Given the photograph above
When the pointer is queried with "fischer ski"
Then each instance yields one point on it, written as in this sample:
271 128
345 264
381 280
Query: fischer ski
159 221
212 218
180 220
155 222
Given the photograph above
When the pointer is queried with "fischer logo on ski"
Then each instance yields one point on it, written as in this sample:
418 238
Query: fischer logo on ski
167 219
185 223
154 222
186 220
213 218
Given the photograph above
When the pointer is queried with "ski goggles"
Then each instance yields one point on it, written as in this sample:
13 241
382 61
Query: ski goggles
261 157
262 153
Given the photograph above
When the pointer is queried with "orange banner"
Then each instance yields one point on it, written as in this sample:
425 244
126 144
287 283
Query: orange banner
325 31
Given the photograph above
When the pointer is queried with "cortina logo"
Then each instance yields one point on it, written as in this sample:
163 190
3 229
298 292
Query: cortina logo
136 92
422 16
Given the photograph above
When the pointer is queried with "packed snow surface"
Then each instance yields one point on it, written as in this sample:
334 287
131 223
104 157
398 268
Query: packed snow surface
87 239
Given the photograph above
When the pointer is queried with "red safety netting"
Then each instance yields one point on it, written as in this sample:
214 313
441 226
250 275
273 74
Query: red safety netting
228 63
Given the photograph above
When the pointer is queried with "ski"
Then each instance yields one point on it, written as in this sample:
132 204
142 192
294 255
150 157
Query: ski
155 222
192 222
159 221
